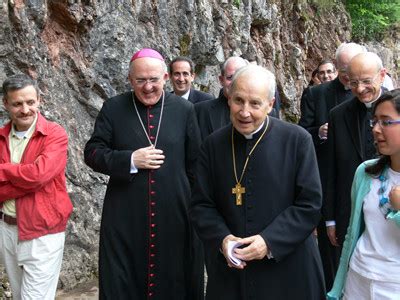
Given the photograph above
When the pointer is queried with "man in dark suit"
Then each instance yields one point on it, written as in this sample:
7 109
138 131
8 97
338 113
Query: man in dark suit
315 107
326 71
350 140
181 72
214 114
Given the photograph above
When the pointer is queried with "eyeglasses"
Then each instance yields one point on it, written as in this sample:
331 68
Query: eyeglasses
143 81
363 82
383 123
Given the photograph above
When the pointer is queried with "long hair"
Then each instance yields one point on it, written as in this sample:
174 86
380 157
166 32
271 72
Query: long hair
384 160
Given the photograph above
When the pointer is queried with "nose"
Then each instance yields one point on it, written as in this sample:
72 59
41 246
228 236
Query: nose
377 128
25 108
244 112
147 85
181 77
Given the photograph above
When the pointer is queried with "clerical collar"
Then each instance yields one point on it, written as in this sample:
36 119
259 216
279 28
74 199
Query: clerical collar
250 136
370 104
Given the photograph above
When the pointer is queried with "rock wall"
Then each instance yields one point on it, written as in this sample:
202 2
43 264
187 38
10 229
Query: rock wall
79 51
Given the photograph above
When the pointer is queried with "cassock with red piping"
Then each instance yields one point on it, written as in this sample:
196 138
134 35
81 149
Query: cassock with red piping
148 249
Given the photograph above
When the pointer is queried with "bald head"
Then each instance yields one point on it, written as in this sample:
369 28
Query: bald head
366 74
344 53
264 78
228 69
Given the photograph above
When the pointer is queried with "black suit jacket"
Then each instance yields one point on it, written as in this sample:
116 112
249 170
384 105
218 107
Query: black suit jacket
214 114
196 96
316 103
345 154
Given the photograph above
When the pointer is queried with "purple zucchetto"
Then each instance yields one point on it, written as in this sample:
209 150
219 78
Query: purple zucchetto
147 52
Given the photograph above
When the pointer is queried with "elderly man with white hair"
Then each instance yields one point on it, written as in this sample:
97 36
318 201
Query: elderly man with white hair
257 199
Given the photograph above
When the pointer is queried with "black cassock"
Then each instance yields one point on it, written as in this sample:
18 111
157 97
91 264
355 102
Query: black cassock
147 246
282 203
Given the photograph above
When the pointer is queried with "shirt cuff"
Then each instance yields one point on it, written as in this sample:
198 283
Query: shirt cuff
330 223
133 170
269 254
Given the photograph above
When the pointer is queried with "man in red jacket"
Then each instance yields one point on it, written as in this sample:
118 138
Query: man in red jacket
34 204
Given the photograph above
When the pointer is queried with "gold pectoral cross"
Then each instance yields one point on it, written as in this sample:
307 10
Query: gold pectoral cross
238 190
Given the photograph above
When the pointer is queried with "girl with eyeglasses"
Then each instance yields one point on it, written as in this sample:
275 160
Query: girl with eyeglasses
370 261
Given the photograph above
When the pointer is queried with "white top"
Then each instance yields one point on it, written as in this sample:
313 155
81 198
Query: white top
377 253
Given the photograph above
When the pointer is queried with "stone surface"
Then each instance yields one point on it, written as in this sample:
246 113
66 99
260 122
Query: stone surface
79 51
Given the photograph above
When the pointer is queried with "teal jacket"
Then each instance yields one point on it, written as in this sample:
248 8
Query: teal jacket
360 188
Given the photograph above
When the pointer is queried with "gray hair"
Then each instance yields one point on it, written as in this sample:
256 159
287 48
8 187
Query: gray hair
258 73
230 59
353 47
18 82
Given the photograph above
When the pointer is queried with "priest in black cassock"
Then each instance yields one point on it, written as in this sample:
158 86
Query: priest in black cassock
257 186
147 142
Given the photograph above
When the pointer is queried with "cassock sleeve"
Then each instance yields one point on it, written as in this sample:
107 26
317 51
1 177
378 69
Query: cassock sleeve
307 119
99 152
203 212
294 224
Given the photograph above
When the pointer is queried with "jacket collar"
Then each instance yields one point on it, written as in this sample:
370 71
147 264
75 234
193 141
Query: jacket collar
41 127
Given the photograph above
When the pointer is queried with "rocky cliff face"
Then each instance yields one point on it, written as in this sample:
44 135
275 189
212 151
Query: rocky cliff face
79 51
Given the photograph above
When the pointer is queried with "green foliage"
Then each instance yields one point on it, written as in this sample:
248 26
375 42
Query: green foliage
236 3
371 19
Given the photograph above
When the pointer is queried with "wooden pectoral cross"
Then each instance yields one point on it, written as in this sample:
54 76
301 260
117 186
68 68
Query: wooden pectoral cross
238 190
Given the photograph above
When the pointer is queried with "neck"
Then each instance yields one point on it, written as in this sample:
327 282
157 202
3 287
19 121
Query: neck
395 162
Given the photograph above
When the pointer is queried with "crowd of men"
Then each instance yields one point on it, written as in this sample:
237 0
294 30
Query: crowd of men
194 180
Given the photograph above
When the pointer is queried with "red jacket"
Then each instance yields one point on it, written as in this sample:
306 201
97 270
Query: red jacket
38 181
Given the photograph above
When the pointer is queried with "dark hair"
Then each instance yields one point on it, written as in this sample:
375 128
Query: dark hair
17 82
325 62
311 82
181 58
384 160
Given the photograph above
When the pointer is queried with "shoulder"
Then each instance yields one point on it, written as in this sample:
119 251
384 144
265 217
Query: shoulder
50 128
361 168
343 107
287 129
118 102
178 102
205 105
201 95
215 138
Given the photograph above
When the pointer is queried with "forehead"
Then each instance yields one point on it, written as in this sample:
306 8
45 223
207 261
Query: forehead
233 66
326 66
386 108
24 94
181 65
361 68
248 88
147 65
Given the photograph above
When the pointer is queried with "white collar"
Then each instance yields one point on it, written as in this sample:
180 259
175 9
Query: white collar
186 95
369 104
250 136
